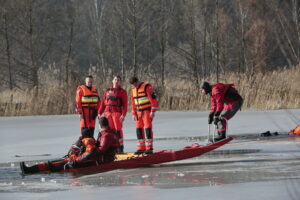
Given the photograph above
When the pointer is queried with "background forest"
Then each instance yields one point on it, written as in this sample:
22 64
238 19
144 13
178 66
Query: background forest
48 46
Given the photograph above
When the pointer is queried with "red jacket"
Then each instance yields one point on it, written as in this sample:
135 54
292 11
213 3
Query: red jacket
108 145
223 94
114 100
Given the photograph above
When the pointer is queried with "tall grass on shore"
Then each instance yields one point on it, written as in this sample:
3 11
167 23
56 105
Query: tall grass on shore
271 90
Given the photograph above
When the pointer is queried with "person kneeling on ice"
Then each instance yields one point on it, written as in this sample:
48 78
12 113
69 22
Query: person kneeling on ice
219 114
81 154
107 142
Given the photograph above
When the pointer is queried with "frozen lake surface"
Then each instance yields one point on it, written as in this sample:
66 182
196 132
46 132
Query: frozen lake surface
250 167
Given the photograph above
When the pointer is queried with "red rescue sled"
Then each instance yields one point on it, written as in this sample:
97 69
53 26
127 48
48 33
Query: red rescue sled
155 158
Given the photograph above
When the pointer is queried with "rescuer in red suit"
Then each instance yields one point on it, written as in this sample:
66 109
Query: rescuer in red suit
87 104
107 142
225 102
114 107
144 104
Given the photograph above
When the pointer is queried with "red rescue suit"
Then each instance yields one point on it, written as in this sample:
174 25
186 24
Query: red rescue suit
295 131
225 94
143 102
108 145
87 104
83 153
88 148
114 105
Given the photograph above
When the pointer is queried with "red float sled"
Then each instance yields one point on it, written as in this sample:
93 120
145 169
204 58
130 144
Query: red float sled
130 160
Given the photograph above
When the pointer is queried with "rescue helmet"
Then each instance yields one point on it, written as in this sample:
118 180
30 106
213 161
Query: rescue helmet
103 121
133 80
206 87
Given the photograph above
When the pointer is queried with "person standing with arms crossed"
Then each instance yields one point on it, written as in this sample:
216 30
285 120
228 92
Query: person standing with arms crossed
87 105
114 106
144 105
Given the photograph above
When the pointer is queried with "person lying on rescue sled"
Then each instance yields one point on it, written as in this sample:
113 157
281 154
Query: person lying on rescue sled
83 153
80 155
95 152
219 114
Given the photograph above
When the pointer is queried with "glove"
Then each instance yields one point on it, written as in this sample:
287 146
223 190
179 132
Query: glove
79 111
75 150
217 118
210 117
71 164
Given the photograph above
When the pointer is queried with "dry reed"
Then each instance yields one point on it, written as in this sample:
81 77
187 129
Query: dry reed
271 90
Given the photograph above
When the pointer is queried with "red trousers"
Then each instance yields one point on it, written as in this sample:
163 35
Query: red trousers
116 124
228 112
144 124
88 118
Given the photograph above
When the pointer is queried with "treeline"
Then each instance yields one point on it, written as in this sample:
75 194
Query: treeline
46 44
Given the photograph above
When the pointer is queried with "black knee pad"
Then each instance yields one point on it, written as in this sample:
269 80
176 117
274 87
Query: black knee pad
139 133
148 133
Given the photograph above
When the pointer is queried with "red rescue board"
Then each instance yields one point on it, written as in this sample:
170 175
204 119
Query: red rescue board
155 158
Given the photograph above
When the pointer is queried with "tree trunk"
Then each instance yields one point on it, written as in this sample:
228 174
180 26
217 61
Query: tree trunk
217 40
8 52
71 37
194 46
162 42
134 38
34 66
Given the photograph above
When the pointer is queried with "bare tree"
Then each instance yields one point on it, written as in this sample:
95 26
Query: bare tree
71 18
242 13
32 41
257 47
137 12
165 10
224 41
287 29
217 39
204 38
8 48
96 11
132 5
194 42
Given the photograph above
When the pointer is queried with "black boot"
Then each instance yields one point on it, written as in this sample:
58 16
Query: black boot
149 151
121 149
221 136
266 134
28 170
138 152
275 133
211 140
